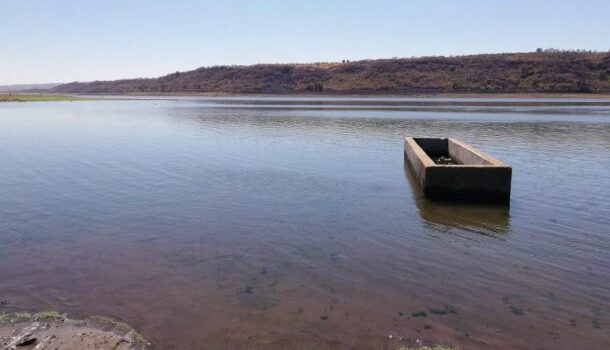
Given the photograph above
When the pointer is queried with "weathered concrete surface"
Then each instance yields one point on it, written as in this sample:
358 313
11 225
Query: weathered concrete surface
477 176
417 159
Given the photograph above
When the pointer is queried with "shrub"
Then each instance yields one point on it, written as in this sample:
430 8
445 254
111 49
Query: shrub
314 87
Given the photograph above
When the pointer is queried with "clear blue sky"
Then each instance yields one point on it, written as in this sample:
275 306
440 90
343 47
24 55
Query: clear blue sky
67 40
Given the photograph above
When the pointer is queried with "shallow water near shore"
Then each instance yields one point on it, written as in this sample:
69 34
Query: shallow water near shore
274 223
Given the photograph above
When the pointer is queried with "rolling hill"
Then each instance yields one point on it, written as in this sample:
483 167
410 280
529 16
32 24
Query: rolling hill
548 71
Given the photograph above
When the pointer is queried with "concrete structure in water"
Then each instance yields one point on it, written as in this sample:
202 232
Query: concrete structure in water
460 171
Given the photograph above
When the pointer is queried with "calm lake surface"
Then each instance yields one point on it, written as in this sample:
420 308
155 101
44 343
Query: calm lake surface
292 223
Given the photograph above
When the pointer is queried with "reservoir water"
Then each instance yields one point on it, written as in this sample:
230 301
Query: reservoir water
292 223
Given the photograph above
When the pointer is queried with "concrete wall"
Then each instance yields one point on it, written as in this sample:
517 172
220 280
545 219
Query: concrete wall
478 177
487 183
417 160
465 154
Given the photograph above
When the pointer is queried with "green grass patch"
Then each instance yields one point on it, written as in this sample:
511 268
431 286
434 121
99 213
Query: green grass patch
15 317
22 315
49 314
26 316
17 97
120 326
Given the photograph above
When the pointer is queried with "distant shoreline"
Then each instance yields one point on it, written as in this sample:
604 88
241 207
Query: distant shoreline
379 95
39 97
48 97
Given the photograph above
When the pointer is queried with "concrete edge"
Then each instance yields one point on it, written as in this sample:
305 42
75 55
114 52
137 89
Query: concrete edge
419 152
494 162
461 166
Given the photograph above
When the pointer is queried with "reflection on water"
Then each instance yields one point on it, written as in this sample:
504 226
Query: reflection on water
221 225
486 219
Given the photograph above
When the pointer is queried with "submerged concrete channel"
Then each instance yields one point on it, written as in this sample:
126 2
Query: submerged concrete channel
461 171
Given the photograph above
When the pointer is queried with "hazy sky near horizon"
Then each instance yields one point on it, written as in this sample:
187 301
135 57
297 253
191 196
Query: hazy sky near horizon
67 40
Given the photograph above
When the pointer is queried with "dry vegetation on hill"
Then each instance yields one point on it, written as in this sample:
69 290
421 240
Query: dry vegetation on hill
548 71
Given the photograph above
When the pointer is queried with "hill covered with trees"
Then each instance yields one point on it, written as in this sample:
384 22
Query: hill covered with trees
544 71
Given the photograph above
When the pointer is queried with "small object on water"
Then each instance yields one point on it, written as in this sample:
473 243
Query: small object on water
596 324
450 169
448 309
324 317
517 311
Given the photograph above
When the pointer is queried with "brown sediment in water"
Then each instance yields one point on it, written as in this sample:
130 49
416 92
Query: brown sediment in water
51 330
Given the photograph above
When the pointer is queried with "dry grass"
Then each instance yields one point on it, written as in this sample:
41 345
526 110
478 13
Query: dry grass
19 97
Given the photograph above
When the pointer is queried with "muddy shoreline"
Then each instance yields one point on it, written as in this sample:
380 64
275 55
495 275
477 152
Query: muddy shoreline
52 330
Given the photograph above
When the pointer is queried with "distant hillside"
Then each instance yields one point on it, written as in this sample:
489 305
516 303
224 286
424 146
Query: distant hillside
542 72
27 87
